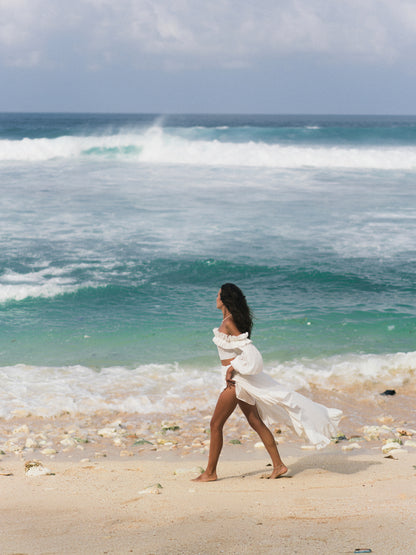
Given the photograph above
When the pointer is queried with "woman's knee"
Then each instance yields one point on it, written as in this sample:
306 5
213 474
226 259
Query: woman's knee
216 425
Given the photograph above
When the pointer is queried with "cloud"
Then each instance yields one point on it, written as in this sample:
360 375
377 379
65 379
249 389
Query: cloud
196 33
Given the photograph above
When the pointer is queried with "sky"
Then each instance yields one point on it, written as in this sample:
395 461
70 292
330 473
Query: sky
194 56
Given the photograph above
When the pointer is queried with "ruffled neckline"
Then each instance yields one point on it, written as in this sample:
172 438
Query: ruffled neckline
230 341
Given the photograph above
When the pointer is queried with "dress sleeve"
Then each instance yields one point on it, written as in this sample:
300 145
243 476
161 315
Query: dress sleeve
249 361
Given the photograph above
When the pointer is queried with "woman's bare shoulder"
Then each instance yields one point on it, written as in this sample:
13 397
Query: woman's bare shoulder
229 328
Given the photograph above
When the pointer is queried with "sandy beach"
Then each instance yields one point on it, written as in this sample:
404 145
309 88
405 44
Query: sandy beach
118 229
333 503
106 485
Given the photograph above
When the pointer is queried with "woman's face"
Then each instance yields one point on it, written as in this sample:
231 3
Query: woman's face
220 304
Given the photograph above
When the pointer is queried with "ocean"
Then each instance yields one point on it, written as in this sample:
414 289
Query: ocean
118 230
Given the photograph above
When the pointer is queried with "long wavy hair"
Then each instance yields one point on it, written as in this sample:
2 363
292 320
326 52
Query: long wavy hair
235 301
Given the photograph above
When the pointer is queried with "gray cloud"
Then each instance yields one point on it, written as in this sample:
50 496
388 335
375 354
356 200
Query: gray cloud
195 33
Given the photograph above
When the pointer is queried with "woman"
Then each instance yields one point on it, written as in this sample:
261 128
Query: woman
262 400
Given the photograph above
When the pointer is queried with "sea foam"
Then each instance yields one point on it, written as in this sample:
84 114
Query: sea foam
47 282
157 146
50 391
170 388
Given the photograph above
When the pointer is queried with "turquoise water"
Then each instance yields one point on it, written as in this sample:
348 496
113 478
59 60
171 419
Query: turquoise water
117 231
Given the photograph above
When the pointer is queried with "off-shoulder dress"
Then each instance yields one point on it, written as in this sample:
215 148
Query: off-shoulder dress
274 402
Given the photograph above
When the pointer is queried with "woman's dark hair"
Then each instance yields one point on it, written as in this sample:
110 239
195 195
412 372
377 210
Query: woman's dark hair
235 301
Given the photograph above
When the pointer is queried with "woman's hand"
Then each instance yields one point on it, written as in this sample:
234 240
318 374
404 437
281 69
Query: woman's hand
229 376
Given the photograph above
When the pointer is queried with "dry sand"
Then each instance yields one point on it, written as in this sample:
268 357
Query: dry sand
103 495
332 502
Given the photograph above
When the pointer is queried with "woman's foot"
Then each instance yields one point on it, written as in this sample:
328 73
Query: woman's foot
206 477
277 472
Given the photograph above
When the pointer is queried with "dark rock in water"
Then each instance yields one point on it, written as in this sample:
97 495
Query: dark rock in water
389 392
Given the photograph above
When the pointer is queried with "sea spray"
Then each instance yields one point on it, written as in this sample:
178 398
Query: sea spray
169 389
155 146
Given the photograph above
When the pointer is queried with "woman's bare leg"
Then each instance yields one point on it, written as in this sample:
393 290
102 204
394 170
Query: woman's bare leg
226 404
253 418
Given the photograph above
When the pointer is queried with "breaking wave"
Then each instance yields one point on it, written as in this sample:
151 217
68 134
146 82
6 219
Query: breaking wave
167 388
159 146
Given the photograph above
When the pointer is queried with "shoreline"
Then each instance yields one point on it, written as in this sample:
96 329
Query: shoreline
369 419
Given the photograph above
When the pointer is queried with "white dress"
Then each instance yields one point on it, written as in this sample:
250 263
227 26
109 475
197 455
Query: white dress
273 401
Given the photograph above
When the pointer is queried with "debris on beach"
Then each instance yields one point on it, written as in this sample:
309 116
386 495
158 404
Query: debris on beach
408 433
155 489
339 437
3 472
390 445
166 442
388 392
68 442
109 433
31 443
259 445
49 451
126 453
378 432
142 441
194 470
393 448
11 447
351 446
169 427
36 468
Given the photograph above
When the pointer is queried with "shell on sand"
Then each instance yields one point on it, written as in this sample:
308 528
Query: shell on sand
351 446
194 470
154 488
31 443
110 432
390 446
49 451
36 468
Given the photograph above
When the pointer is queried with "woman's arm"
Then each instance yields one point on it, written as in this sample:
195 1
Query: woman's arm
229 376
230 370
249 361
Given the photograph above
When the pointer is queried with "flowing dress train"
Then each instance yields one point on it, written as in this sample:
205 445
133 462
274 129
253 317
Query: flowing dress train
274 402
